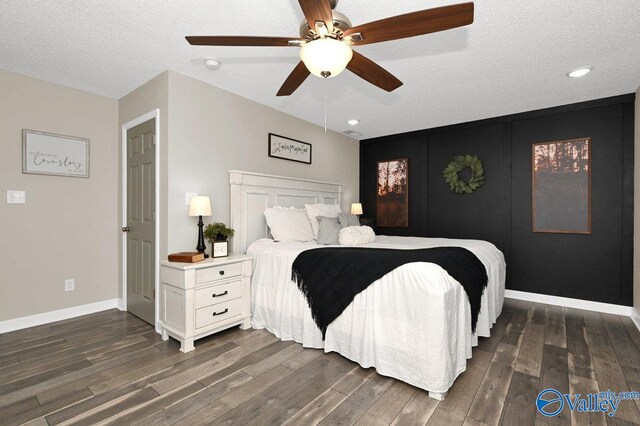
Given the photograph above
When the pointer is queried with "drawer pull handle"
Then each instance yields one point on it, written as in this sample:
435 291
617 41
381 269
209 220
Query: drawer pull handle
221 272
220 294
220 313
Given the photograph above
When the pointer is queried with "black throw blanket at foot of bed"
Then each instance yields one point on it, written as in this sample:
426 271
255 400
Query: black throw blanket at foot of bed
331 277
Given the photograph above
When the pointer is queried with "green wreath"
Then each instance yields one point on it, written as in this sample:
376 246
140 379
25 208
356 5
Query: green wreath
460 163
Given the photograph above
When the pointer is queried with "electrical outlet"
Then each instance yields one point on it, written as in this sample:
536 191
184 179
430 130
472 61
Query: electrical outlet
16 197
69 285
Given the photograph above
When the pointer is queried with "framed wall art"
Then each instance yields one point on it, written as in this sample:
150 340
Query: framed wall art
393 193
561 186
51 154
289 149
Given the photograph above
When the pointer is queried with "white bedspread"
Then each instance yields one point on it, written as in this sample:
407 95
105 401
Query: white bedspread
413 324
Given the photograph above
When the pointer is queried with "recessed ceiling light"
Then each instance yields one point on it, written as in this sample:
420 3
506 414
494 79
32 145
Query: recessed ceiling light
580 72
353 122
212 64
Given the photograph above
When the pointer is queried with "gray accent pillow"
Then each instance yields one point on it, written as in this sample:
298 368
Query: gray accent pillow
346 219
328 230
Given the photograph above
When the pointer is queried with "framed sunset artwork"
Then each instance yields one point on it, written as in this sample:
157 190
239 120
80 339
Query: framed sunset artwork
393 193
561 192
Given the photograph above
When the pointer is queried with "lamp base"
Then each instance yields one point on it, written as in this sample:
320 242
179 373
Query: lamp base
201 247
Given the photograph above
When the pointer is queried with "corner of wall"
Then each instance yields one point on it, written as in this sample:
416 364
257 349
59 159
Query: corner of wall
635 316
636 210
152 95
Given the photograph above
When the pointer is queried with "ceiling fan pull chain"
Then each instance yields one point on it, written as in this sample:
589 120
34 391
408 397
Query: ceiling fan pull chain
325 110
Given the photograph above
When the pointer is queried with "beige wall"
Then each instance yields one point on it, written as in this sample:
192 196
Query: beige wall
68 227
206 131
212 131
636 209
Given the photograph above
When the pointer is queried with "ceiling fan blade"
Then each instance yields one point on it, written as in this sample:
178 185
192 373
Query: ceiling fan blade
413 24
317 10
368 70
295 79
241 41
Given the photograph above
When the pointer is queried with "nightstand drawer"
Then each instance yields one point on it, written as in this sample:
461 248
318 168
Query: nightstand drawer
218 273
218 312
218 294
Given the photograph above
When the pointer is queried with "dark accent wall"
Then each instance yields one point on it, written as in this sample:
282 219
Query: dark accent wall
594 267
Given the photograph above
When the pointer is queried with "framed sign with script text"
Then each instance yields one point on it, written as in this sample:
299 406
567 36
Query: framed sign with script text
51 154
289 149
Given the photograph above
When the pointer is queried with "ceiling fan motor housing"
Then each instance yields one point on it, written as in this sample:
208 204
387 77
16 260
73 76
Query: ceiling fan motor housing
340 24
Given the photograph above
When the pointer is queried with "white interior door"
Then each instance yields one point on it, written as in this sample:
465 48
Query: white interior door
140 226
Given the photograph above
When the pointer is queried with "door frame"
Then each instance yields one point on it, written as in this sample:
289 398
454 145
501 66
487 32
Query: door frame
154 114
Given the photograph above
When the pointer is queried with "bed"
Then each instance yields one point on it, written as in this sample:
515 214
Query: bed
413 324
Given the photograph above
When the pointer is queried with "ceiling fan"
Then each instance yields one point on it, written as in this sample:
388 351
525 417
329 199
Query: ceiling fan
326 38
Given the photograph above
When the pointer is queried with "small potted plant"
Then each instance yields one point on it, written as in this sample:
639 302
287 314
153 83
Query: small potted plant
217 234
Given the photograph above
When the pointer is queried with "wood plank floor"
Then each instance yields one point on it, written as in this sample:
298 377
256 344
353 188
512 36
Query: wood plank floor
112 368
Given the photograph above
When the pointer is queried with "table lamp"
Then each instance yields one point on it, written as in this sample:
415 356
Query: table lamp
356 208
200 206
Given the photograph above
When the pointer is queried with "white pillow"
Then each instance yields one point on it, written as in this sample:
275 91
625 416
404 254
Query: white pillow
289 224
356 236
315 210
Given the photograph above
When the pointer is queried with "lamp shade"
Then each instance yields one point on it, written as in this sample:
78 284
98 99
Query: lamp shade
200 206
356 208
326 57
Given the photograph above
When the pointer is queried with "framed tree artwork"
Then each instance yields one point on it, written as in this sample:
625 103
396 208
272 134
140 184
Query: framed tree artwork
561 193
393 193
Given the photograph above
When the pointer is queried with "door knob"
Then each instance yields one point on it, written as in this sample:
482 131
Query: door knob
126 229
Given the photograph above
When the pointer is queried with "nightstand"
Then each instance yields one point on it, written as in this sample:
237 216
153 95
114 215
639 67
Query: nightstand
203 298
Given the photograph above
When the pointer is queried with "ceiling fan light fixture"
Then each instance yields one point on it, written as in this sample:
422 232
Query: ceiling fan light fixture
326 57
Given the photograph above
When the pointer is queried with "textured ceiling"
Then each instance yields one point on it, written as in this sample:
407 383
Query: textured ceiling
513 58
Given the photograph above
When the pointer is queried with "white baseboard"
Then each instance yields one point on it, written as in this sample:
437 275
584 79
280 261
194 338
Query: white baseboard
635 316
567 302
59 315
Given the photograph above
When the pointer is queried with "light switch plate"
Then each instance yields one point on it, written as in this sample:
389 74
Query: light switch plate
16 197
69 284
187 197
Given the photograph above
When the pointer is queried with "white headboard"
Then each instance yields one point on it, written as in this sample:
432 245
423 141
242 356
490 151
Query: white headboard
252 193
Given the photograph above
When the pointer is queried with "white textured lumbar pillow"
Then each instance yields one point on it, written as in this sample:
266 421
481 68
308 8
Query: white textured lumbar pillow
356 236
